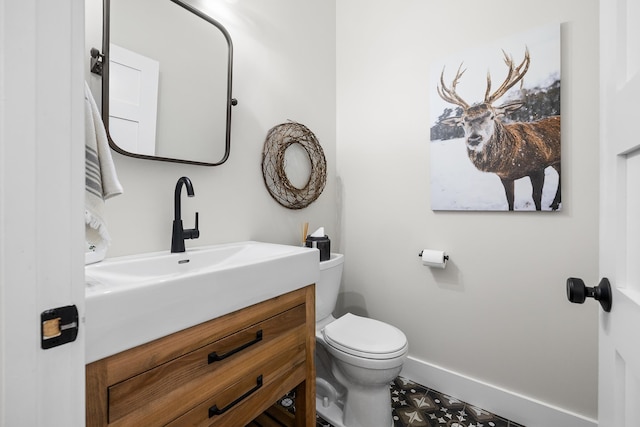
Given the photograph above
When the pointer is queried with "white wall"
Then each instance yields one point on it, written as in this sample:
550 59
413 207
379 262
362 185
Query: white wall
498 313
284 68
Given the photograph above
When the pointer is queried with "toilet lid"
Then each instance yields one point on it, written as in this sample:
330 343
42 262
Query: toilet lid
365 337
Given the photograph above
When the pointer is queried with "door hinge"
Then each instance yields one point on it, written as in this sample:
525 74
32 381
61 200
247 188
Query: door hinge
59 326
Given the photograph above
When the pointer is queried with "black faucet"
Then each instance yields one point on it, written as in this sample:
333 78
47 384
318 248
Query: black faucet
180 234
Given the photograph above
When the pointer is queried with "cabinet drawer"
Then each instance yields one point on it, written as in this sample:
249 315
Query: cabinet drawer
174 387
241 402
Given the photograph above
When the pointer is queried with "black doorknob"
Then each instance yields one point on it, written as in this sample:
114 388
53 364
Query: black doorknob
577 292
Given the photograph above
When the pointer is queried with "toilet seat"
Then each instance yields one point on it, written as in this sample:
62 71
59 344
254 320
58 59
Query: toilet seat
364 337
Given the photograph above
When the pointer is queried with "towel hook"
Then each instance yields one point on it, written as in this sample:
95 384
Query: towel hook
97 59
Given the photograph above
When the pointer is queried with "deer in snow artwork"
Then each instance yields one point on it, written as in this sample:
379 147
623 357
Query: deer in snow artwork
511 149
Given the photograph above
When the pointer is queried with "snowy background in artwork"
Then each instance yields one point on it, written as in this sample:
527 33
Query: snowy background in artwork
457 185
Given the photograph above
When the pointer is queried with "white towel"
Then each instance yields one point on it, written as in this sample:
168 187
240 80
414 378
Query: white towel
101 180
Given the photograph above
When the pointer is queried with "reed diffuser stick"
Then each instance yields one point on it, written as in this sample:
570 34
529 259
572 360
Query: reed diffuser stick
305 230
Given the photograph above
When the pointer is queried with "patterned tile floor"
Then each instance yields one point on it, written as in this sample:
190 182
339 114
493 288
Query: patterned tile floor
415 405
418 406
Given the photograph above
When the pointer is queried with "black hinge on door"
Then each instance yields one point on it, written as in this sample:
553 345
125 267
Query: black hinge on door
59 326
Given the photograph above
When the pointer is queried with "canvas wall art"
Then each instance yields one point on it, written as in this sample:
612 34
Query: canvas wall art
495 126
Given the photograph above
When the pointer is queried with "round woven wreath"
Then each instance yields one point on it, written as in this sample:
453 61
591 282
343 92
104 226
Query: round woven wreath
279 138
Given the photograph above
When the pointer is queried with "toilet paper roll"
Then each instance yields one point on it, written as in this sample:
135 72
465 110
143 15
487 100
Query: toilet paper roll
434 258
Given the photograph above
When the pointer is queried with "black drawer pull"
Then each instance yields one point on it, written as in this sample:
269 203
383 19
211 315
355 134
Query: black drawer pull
215 357
214 409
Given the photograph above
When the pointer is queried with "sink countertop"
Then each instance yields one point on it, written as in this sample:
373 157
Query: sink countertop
135 299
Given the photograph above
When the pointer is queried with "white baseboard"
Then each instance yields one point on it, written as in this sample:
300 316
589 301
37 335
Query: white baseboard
513 406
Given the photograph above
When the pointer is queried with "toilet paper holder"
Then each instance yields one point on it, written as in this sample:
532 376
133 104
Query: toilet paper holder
434 258
445 257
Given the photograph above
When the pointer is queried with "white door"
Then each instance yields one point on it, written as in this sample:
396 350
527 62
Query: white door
619 357
41 208
133 100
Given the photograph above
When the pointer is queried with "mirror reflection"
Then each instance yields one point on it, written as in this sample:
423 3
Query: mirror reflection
167 81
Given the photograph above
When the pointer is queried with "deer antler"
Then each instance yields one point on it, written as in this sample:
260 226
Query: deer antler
513 76
450 95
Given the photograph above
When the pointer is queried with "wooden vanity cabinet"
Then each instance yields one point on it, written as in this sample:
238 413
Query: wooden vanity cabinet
224 372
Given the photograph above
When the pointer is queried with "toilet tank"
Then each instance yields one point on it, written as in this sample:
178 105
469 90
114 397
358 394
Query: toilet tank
328 285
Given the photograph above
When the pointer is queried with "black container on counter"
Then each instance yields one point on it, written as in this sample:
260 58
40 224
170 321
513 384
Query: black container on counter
322 243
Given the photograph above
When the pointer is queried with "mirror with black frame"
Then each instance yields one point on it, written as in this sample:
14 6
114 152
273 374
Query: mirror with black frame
166 81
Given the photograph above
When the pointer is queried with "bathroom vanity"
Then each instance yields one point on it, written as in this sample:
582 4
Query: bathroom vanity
225 371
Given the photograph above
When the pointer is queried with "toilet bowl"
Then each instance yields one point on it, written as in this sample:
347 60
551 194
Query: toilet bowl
356 359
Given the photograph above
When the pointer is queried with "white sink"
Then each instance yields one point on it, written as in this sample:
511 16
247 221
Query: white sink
135 299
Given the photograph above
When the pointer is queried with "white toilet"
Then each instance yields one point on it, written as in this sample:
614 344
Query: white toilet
356 359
